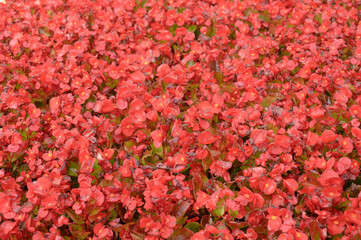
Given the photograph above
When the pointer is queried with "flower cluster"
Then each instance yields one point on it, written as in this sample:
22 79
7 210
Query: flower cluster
175 119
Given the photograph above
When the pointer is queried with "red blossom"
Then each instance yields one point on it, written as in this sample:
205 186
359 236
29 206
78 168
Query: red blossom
157 137
274 219
268 185
180 119
206 138
335 225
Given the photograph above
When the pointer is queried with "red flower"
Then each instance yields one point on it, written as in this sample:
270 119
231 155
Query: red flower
113 71
163 70
218 103
168 223
267 185
291 185
304 72
33 111
199 236
298 235
356 132
180 159
55 105
207 138
108 153
5 205
352 216
160 103
7 226
317 113
40 187
206 110
312 138
280 145
332 192
274 219
121 104
346 144
259 137
355 110
107 106
13 148
127 126
137 77
157 137
164 35
146 222
48 156
329 177
101 231
335 225
328 136
342 165
251 94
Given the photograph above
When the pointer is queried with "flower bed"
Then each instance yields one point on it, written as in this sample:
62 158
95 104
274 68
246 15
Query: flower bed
154 119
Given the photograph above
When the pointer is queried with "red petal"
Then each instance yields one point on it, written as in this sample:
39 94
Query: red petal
157 135
328 136
137 77
290 184
356 132
206 138
13 148
312 138
121 104
108 106
275 149
274 223
317 113
269 186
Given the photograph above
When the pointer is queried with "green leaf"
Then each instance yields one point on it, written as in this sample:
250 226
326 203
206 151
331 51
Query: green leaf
315 230
112 84
136 237
237 225
78 232
211 30
73 169
189 63
121 227
164 85
233 213
265 16
219 77
192 28
94 211
219 211
206 162
181 234
146 155
158 151
194 227
173 29
267 101
76 218
182 220
76 228
97 169
180 209
318 18
128 146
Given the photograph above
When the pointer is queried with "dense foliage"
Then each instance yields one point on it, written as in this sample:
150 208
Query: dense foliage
180 119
